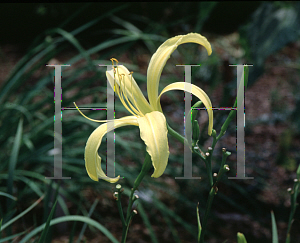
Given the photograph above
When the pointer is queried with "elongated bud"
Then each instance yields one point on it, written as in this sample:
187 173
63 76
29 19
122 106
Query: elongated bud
214 133
196 131
241 238
194 112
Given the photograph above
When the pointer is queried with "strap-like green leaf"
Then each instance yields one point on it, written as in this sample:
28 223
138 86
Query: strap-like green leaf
241 238
274 229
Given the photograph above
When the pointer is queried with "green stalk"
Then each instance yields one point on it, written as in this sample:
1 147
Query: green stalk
120 209
207 211
145 169
176 135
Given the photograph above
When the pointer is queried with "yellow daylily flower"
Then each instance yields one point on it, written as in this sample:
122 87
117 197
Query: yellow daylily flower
146 115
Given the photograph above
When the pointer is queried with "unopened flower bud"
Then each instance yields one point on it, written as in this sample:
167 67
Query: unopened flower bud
289 189
207 154
134 211
195 130
210 148
215 175
295 180
118 186
224 150
228 153
214 133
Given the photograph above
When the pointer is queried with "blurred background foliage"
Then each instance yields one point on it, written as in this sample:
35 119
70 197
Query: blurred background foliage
265 34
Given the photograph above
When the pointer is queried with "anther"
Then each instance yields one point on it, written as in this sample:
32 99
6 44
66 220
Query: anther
114 59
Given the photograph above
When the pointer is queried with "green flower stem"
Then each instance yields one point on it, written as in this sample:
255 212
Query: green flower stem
120 209
209 171
223 167
176 135
200 153
211 195
145 169
294 195
213 192
233 112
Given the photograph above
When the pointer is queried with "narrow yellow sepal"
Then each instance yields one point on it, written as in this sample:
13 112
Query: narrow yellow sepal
160 57
195 90
92 158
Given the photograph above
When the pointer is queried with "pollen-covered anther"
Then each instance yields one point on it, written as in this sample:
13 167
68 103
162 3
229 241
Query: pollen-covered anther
114 60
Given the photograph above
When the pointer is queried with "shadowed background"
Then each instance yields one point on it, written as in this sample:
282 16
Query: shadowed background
85 35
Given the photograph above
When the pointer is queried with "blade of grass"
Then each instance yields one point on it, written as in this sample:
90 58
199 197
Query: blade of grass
162 207
72 218
6 239
85 224
8 195
145 218
274 229
22 214
47 225
199 223
13 160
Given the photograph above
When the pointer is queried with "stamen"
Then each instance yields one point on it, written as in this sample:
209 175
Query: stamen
114 59
88 117
121 95
139 111
134 109
121 92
